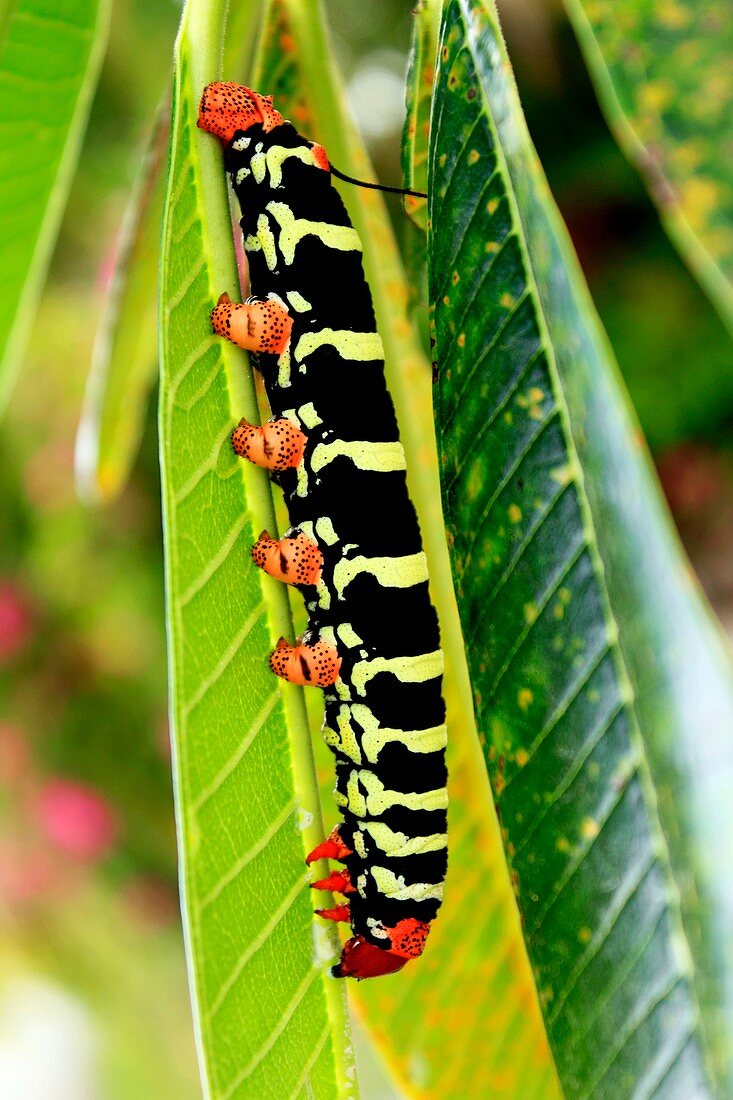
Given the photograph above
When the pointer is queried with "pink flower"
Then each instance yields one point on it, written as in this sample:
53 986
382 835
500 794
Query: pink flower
15 621
77 820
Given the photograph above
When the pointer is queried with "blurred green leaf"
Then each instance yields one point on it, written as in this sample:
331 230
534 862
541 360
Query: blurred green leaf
269 1018
131 973
50 55
473 986
601 686
415 138
125 356
664 77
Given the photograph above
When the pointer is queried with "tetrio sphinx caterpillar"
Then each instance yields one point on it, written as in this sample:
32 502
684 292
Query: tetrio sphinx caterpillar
354 549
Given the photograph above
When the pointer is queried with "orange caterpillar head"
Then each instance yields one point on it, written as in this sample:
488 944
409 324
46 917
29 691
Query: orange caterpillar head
227 107
362 959
308 665
295 559
262 327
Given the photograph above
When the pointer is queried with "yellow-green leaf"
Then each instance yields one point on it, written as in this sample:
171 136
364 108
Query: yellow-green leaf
125 356
664 77
269 1018
50 54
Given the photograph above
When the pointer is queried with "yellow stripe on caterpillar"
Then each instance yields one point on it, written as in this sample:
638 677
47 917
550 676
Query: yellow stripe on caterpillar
278 154
263 241
361 347
408 670
344 238
394 886
402 572
297 301
382 458
374 737
398 845
379 798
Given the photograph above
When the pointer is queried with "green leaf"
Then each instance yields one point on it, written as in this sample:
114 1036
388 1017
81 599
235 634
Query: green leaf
50 55
415 138
473 988
125 355
599 681
270 1021
664 78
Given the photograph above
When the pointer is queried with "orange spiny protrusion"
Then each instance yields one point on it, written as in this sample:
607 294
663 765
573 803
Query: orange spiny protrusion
320 156
315 665
408 937
227 107
277 445
261 327
338 882
331 848
294 559
340 913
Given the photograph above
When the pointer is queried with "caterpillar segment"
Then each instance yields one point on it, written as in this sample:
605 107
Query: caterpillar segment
277 445
372 642
307 665
262 327
294 559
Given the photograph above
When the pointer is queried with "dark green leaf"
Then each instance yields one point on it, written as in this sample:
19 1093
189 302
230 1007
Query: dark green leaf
588 648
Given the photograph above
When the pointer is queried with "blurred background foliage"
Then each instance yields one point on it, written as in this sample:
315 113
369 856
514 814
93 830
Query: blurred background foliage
88 896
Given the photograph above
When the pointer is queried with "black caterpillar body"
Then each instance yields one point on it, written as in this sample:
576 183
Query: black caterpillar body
354 549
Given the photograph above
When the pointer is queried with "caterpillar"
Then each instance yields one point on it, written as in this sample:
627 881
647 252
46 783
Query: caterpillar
354 548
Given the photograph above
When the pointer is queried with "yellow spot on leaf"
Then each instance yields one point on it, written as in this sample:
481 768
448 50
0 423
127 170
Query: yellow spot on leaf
461 341
699 197
455 278
492 246
525 698
562 844
585 935
530 612
515 513
673 15
491 206
507 301
655 95
590 828
521 758
563 475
